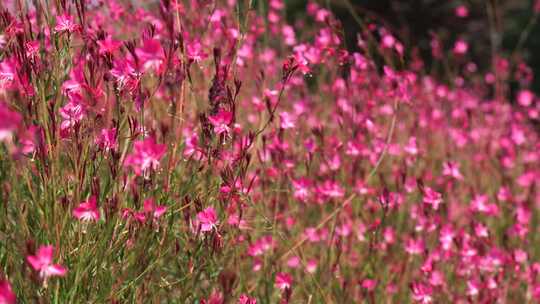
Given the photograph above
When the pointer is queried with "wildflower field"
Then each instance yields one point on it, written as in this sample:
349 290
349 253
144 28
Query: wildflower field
213 152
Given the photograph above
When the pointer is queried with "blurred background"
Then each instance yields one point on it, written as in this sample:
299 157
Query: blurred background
505 27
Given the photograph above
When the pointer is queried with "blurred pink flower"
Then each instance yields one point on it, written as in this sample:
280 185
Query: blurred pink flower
7 296
461 47
452 169
284 281
525 98
9 122
462 11
151 55
42 262
244 299
221 121
156 210
369 284
64 23
207 219
108 45
146 155
422 293
87 211
106 140
195 52
432 198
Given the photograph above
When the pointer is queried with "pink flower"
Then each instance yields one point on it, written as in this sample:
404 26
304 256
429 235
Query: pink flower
9 122
525 98
287 121
411 147
195 52
64 23
221 121
432 198
156 210
480 204
7 296
422 293
331 189
108 45
72 113
8 73
462 11
369 284
414 247
191 148
473 287
388 41
76 81
452 169
42 262
207 219
461 47
244 299
125 74
106 139
261 246
151 55
283 281
311 266
146 155
87 211
32 48
301 188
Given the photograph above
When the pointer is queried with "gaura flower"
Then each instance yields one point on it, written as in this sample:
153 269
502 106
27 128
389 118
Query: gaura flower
43 262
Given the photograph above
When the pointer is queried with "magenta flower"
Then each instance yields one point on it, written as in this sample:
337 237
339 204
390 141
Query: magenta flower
244 299
422 293
452 169
64 23
331 189
146 155
311 266
125 74
461 11
481 204
87 211
261 246
412 147
106 140
7 296
301 188
151 55
108 45
221 121
461 47
369 284
414 247
156 210
32 48
207 219
283 281
525 98
72 113
287 121
42 262
76 82
432 198
9 122
195 52
8 68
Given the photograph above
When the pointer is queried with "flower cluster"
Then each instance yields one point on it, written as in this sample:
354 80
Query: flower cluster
214 152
